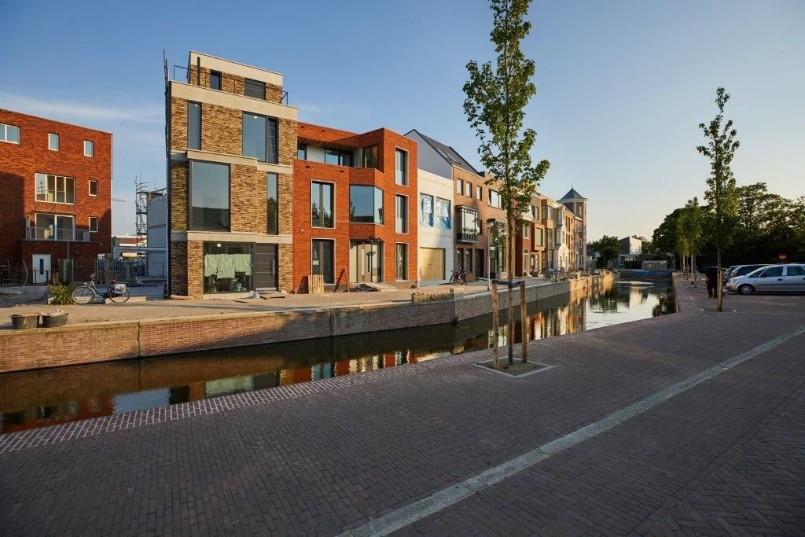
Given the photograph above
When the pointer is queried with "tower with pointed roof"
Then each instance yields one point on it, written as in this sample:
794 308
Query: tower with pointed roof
578 205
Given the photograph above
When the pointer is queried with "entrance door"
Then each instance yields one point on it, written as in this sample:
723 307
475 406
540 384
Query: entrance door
266 261
41 268
431 261
366 262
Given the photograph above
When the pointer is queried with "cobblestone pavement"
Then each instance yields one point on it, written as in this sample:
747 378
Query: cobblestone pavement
722 456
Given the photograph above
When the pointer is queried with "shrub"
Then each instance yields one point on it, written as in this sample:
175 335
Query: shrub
61 294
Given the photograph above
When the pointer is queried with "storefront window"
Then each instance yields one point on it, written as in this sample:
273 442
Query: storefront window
227 267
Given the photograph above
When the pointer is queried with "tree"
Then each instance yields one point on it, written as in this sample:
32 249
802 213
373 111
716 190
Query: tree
495 108
689 230
721 193
607 247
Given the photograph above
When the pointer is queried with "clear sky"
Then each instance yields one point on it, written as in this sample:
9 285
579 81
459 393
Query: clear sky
622 84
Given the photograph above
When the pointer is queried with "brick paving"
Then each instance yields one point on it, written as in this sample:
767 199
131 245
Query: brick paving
724 457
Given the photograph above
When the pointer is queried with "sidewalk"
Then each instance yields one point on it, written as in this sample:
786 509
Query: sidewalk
688 423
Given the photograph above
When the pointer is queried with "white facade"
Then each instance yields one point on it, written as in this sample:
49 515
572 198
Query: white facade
436 227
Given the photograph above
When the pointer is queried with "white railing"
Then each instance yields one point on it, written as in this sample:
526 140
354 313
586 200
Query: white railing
51 234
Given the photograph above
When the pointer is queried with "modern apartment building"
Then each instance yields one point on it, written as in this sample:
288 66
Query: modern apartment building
56 180
355 198
478 216
232 142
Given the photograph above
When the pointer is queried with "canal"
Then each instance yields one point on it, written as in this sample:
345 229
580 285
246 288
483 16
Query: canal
39 398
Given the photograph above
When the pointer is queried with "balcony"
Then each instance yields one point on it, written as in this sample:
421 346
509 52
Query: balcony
51 234
467 236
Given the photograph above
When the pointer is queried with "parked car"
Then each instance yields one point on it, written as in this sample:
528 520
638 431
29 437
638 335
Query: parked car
789 278
742 270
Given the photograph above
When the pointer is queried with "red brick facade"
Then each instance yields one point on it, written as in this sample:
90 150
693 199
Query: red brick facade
344 232
19 164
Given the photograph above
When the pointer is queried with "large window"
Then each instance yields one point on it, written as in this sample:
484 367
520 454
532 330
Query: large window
340 158
228 267
467 224
55 188
494 199
254 88
272 203
365 204
53 141
321 204
402 262
442 213
401 214
54 227
322 259
260 137
209 196
193 125
371 157
401 167
9 133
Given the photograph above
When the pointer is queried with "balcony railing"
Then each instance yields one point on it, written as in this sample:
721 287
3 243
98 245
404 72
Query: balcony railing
51 234
467 236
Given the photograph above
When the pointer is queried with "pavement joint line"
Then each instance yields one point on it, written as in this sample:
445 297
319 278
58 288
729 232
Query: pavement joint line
415 511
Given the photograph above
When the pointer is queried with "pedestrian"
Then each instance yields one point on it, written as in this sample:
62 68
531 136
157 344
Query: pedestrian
712 281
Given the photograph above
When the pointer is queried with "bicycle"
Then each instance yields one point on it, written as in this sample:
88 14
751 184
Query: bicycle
116 292
458 276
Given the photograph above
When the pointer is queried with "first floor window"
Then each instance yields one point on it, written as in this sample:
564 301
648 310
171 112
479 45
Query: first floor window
322 259
321 204
9 133
402 262
55 188
89 148
401 220
93 224
209 196
272 203
442 209
55 227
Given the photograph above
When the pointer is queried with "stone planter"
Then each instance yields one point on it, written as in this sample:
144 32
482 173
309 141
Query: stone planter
19 322
54 321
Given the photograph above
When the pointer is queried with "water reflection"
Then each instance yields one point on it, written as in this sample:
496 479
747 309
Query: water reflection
45 397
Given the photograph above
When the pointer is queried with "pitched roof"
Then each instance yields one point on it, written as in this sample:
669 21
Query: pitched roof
572 194
448 153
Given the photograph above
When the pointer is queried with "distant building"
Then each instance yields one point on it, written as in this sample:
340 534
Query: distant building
629 249
56 180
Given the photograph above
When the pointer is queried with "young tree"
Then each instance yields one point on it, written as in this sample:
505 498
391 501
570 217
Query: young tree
495 108
688 231
721 194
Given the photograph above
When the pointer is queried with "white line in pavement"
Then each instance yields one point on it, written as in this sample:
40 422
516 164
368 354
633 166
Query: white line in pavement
437 501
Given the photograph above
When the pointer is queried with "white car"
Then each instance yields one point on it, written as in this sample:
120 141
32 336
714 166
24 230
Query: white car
788 278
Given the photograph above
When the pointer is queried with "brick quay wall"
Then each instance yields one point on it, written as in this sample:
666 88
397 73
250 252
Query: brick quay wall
120 340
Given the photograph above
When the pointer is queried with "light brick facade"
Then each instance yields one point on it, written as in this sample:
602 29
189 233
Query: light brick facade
81 189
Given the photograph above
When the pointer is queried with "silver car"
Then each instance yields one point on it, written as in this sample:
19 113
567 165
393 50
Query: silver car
789 278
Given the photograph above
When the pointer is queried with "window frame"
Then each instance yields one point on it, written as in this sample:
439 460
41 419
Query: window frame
423 214
270 134
216 76
89 148
275 229
91 220
314 184
401 225
400 167
254 84
52 136
371 156
194 120
89 189
378 212
328 278
404 266
5 129
303 149
191 225
54 194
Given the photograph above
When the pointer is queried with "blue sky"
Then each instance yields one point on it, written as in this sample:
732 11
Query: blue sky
622 84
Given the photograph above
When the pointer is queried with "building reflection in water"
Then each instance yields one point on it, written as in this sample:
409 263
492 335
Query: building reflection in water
39 398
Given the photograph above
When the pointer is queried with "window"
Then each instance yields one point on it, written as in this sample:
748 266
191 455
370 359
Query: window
54 227
321 204
548 213
479 192
272 203
494 199
215 80
209 196
371 157
301 151
442 213
402 262
795 271
53 141
401 213
468 191
321 259
89 148
93 224
9 133
260 137
538 237
535 212
339 158
467 224
459 186
365 204
526 230
254 88
93 187
772 272
401 167
55 188
426 210
193 125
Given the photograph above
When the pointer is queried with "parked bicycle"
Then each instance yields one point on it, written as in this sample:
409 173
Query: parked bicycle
458 276
116 292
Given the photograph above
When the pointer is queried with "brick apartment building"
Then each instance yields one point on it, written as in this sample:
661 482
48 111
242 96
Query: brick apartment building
355 199
56 180
232 145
